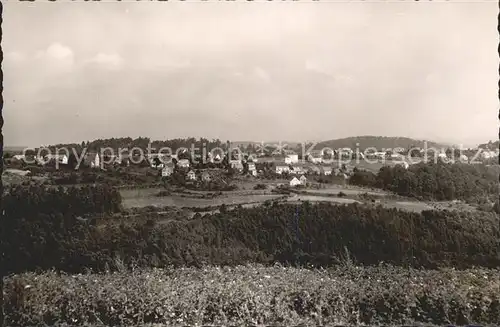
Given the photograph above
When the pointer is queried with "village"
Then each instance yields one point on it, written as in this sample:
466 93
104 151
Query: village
282 164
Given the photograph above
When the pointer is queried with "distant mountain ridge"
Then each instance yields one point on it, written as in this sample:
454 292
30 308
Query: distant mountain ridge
14 149
490 145
283 143
363 142
379 142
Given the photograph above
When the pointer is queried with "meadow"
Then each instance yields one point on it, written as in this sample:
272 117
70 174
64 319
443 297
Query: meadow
191 202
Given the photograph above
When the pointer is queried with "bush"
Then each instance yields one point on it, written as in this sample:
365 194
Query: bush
42 223
251 295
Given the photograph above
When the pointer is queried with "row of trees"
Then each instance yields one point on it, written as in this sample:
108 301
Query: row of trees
26 202
434 181
143 142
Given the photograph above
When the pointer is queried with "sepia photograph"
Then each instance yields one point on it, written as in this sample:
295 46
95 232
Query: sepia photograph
284 163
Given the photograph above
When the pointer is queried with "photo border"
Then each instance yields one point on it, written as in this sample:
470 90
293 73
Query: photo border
2 122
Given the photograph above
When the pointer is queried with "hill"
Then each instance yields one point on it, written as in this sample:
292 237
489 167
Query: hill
379 142
14 149
289 144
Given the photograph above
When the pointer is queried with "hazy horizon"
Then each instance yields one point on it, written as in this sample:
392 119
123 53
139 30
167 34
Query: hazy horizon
250 71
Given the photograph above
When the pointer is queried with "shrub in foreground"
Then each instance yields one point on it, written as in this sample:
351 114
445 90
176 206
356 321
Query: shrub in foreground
346 295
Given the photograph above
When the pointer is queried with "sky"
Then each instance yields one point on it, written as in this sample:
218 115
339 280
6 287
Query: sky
244 71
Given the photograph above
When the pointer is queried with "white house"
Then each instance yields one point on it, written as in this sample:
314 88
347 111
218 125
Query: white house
291 159
442 156
236 164
315 153
282 169
183 163
61 159
213 159
93 160
315 156
464 158
303 180
19 157
294 182
327 171
167 170
316 160
191 175
252 169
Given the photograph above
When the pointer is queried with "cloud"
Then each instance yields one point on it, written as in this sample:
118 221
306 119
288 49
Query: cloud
59 51
56 57
112 61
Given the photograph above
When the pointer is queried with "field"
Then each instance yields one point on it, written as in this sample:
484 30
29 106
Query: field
314 198
248 197
257 295
336 189
147 197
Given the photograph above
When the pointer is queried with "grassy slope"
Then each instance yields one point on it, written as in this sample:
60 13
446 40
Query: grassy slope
257 295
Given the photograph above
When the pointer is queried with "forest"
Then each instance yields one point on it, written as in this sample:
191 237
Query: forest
70 229
434 181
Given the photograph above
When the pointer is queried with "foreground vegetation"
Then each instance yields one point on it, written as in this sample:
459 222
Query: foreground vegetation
257 295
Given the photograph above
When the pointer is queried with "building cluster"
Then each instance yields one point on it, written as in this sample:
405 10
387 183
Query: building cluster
91 159
284 162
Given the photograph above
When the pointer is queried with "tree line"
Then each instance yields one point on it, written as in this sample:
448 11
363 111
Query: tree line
434 181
